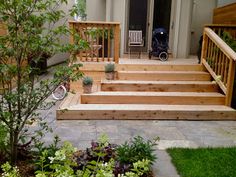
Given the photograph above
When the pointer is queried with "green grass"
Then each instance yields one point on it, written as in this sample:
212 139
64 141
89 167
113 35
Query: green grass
204 162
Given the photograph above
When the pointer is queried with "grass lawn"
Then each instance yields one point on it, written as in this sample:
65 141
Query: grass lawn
204 162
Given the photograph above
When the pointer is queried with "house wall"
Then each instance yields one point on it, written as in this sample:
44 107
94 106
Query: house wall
119 15
184 30
96 10
221 3
202 14
60 57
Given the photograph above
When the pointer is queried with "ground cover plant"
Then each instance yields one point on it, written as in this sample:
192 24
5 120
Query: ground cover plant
102 159
204 162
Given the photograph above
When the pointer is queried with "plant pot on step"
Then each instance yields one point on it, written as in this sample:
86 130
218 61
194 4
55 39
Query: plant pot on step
110 76
110 71
87 88
87 84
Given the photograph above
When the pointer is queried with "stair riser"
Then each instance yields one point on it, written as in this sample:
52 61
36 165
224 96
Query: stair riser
160 87
174 100
144 115
164 76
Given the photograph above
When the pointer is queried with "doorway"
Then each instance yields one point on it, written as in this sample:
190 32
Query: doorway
137 19
147 15
161 14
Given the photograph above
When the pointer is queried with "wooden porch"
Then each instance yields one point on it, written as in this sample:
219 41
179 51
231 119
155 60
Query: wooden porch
179 89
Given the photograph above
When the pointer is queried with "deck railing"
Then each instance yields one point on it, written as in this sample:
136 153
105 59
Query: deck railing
103 40
219 59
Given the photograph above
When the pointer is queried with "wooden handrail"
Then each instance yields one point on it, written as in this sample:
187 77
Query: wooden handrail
220 43
94 22
103 39
220 60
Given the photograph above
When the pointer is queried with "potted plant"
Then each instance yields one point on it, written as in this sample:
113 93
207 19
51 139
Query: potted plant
87 84
110 71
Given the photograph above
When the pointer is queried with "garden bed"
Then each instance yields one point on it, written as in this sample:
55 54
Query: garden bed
102 159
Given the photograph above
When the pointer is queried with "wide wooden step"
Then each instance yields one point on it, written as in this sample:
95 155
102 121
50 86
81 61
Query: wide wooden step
159 86
144 67
174 98
164 75
144 112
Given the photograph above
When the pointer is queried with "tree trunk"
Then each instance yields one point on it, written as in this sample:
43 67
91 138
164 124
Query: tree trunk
13 144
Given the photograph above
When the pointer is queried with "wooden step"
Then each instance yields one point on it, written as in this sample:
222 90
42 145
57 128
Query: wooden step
174 98
164 75
144 67
70 100
159 86
144 112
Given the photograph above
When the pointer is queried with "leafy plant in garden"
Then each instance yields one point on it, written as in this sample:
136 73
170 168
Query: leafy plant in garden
79 9
229 40
60 164
32 32
137 150
9 171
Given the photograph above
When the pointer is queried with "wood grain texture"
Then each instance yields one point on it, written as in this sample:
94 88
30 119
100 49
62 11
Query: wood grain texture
146 112
164 75
225 14
173 98
159 86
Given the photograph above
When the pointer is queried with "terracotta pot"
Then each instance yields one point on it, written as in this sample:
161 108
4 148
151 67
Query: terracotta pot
87 88
110 76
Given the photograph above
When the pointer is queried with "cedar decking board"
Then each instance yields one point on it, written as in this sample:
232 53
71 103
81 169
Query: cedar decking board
164 75
159 86
146 112
162 92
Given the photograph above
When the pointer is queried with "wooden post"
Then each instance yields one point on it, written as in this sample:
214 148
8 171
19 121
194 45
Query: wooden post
117 43
230 83
204 46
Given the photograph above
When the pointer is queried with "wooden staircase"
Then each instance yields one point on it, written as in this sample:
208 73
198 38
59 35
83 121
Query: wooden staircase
176 92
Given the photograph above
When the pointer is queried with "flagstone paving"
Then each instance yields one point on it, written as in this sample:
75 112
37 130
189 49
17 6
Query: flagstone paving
172 134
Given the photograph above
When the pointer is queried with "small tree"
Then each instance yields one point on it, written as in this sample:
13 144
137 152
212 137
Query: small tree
32 32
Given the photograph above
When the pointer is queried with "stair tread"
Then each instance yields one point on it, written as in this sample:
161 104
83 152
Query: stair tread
135 107
180 94
165 72
155 82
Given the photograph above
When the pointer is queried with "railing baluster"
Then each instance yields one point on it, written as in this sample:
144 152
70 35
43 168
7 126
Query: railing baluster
225 70
109 42
103 42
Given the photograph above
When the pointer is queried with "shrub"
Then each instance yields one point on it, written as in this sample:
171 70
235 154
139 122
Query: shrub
87 81
109 68
136 151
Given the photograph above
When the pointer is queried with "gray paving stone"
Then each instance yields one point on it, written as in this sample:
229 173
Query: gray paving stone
164 167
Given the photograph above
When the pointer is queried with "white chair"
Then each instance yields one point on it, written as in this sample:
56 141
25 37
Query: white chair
135 40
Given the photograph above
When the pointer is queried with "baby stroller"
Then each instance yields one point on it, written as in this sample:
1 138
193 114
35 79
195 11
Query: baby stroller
159 44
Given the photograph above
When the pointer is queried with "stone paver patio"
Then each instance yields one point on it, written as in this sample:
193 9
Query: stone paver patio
172 134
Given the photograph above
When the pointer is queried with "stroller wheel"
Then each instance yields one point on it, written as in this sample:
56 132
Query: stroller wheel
163 56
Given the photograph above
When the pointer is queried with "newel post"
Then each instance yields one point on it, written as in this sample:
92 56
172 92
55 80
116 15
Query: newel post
230 83
117 43
204 45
